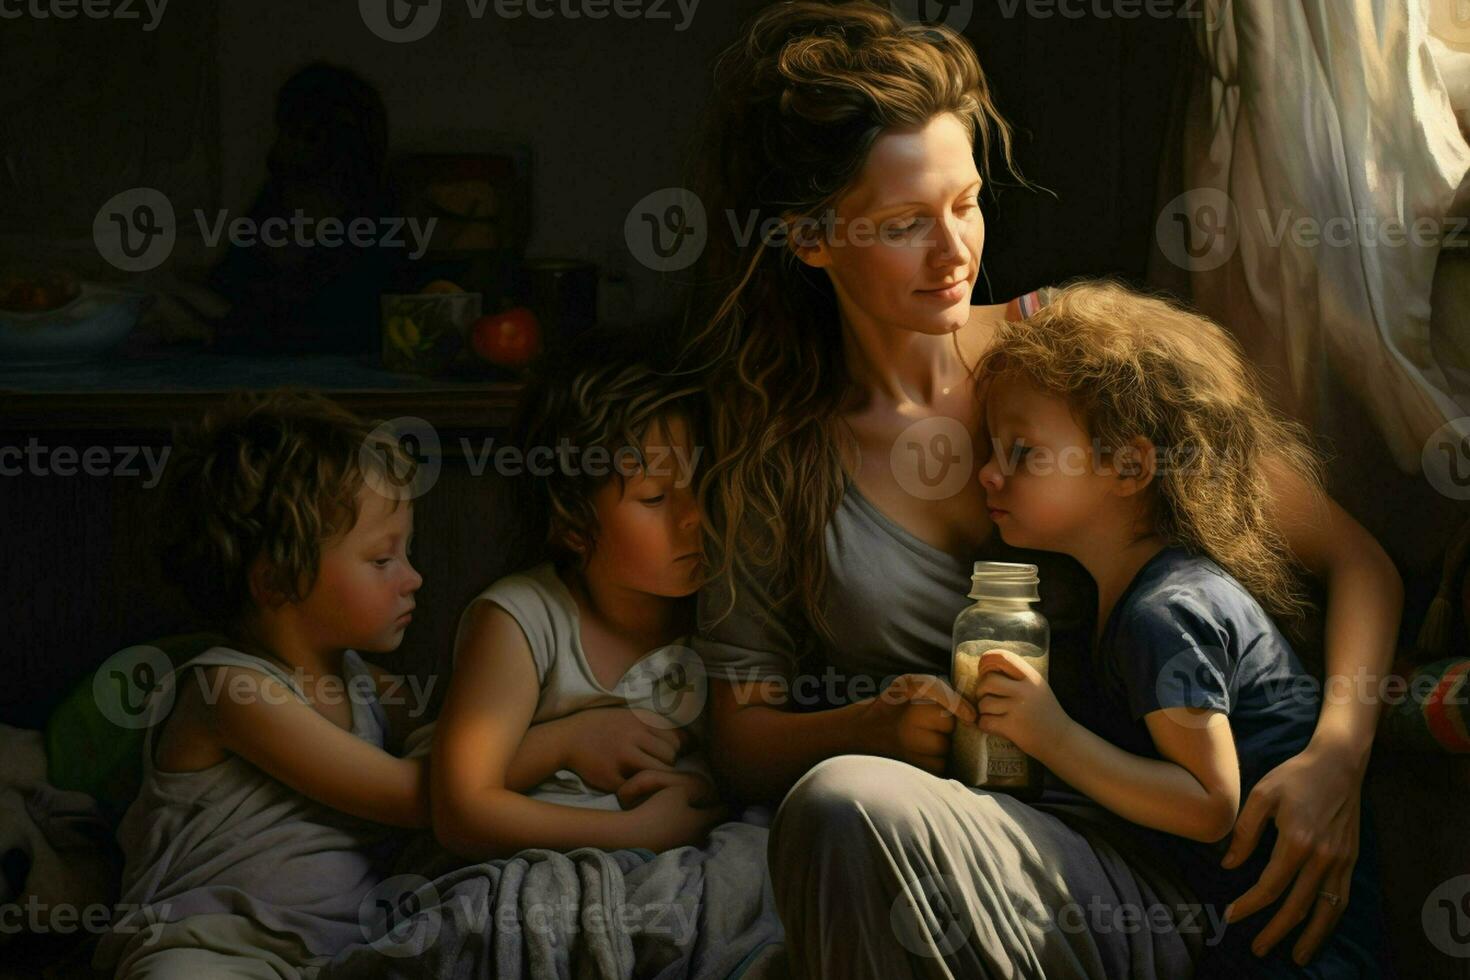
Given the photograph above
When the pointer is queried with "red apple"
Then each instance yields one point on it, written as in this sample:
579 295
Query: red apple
509 338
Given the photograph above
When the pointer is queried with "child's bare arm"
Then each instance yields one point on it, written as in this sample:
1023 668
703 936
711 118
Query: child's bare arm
490 702
1194 791
273 730
541 753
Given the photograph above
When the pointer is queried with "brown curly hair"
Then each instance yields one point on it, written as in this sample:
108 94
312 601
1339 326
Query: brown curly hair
799 102
1133 365
604 390
272 476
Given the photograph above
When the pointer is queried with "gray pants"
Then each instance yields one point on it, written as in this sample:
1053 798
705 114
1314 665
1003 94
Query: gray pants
216 945
882 870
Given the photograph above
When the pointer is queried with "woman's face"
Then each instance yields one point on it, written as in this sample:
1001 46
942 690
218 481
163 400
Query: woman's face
909 226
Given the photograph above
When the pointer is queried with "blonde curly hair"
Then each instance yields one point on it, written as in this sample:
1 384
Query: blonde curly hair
1133 365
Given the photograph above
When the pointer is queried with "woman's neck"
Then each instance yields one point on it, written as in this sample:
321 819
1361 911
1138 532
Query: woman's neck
900 366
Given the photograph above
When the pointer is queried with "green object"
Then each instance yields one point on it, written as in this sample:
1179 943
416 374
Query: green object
88 749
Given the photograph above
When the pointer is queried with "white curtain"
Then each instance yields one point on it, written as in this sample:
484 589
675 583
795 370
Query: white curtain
1315 202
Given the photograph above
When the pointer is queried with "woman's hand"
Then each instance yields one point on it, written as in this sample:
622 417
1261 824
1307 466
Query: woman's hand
606 746
1314 798
912 721
1016 702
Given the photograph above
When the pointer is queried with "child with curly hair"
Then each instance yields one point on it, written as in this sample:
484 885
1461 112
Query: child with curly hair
593 638
266 773
1130 434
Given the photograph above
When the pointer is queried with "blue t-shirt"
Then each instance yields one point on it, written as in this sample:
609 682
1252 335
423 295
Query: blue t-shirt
1186 634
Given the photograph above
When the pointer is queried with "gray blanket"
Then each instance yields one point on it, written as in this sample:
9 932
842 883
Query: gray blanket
686 913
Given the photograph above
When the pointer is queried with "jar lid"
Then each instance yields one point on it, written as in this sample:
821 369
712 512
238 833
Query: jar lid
1004 580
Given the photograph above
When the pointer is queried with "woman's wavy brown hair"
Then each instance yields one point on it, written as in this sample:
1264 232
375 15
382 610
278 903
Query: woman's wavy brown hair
274 476
1132 365
799 101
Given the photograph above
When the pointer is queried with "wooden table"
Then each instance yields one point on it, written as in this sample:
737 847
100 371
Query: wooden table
149 393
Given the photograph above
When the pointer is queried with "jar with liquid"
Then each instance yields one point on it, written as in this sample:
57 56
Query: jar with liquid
1002 617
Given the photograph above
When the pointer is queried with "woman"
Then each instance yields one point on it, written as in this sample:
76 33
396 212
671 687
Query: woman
843 540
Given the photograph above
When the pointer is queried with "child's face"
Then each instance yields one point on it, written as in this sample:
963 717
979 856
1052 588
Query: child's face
1044 484
365 584
648 536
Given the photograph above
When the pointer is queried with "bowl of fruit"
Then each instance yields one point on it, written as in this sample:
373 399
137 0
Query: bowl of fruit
440 332
51 317
424 332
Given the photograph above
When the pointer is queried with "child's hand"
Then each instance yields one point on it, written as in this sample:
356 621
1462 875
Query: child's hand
1016 702
607 746
671 818
642 785
913 719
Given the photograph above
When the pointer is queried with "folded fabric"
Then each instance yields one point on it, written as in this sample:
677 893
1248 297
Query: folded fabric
56 852
690 912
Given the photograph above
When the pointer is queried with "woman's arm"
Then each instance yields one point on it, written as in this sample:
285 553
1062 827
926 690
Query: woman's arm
761 747
278 734
1314 797
1365 599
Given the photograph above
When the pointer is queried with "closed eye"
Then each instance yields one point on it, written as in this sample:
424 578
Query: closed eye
653 501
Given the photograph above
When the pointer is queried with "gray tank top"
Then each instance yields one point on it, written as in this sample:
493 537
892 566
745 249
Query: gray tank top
231 839
891 603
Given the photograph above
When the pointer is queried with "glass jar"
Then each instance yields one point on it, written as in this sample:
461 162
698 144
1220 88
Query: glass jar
1001 618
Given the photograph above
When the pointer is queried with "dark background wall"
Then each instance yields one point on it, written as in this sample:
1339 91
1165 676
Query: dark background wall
607 110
